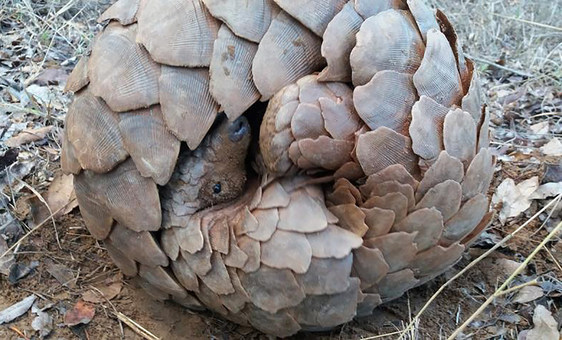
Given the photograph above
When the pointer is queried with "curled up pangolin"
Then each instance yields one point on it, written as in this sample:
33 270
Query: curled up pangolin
362 175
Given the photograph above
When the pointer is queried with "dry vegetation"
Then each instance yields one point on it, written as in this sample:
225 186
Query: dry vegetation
517 45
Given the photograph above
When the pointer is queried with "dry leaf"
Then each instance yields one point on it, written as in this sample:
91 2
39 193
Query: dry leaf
43 322
28 136
51 76
528 294
541 128
110 289
82 312
60 195
16 309
552 148
63 274
514 198
544 325
547 190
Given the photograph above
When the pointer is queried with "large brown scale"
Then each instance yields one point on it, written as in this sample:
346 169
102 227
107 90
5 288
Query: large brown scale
357 183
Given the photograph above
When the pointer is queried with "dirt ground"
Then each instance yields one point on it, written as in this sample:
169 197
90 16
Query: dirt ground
520 63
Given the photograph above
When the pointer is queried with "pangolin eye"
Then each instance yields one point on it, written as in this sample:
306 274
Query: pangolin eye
217 188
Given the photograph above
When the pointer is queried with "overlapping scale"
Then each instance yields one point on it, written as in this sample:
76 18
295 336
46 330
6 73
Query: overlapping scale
395 284
478 175
428 223
287 249
314 14
386 100
484 132
386 41
445 168
151 146
472 101
465 66
384 147
124 11
351 218
326 276
394 201
424 16
465 220
426 128
328 310
293 252
459 135
93 132
217 279
272 289
445 197
121 71
187 105
293 49
398 249
394 172
333 242
248 19
438 76
379 221
231 73
280 324
369 8
68 160
139 246
126 196
162 280
178 32
338 42
219 236
96 216
123 262
369 265
434 260
236 301
184 274
78 78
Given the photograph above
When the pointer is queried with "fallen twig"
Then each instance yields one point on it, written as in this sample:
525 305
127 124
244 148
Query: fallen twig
136 327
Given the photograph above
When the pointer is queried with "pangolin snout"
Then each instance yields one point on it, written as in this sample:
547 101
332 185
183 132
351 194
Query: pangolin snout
238 129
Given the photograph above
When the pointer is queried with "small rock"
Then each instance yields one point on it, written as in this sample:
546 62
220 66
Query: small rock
544 326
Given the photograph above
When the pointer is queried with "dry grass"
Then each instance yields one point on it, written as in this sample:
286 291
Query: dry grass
490 31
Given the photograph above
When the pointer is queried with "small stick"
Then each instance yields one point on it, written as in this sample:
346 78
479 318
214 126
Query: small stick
382 335
20 333
136 327
554 259
512 289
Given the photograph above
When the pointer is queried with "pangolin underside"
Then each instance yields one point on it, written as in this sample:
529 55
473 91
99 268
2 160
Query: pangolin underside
365 175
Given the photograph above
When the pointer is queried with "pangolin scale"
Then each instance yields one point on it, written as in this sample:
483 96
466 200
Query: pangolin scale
365 176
